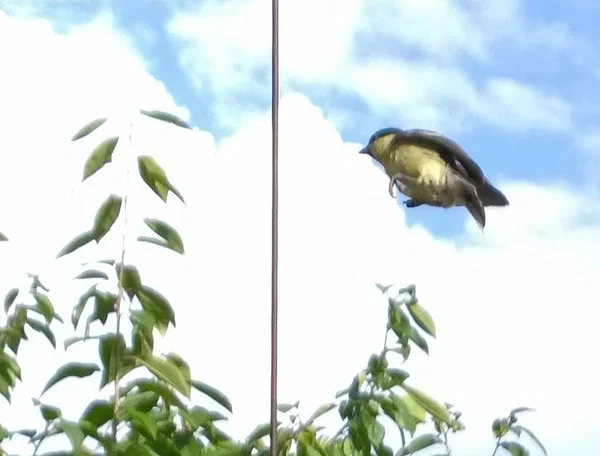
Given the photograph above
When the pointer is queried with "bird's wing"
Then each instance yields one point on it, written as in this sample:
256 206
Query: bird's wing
450 152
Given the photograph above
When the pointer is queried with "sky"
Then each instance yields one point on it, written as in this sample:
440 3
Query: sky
514 82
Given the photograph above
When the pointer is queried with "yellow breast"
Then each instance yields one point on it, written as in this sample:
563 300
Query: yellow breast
418 162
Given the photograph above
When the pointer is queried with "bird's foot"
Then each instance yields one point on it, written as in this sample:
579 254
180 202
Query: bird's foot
411 203
401 181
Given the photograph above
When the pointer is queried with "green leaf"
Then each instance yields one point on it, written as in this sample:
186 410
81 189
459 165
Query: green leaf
500 427
213 393
80 370
10 298
376 433
132 281
161 389
92 274
104 305
90 127
108 346
383 288
156 178
8 363
79 308
434 408
259 432
157 305
285 407
166 117
76 243
166 232
419 340
322 410
100 156
98 413
422 318
167 371
419 443
3 238
74 433
44 306
518 410
49 412
42 328
397 376
106 216
531 435
514 448
143 423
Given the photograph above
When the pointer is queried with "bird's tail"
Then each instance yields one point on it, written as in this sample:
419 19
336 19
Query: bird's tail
476 209
491 196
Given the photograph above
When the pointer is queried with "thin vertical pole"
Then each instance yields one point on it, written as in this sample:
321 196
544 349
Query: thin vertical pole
274 216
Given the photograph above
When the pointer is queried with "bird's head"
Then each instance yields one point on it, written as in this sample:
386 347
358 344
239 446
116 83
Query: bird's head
379 142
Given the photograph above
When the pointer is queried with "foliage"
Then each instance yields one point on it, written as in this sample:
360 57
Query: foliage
152 410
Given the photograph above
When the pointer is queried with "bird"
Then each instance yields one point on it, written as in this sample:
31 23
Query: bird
434 170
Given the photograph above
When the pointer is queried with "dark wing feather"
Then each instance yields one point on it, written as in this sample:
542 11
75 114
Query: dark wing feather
451 152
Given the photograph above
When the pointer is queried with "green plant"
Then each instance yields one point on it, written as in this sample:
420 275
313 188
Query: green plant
152 409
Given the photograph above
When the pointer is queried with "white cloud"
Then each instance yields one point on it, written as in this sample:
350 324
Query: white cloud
225 47
514 307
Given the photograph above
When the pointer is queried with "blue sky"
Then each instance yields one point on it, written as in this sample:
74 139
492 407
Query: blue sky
548 49
514 82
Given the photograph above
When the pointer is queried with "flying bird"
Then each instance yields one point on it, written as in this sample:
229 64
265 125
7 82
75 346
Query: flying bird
432 169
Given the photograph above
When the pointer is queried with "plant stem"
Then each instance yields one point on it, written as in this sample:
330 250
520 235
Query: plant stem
115 421
497 446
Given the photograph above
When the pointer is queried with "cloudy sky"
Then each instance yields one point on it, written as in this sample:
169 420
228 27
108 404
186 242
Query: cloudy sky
516 83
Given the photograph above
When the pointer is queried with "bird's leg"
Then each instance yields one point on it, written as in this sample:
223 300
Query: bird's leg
402 181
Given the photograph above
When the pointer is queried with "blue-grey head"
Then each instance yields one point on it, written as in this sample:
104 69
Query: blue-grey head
373 140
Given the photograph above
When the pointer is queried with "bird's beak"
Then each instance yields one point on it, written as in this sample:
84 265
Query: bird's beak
364 150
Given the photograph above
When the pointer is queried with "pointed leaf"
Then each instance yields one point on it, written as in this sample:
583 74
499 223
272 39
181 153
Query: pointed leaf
76 243
167 232
166 117
106 216
418 339
100 156
422 318
532 436
80 370
156 178
42 328
78 309
49 412
87 129
108 346
515 449
3 238
151 240
132 281
322 410
167 371
521 410
44 306
419 443
74 433
157 305
10 298
143 423
92 274
259 432
98 413
383 288
213 393
436 409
